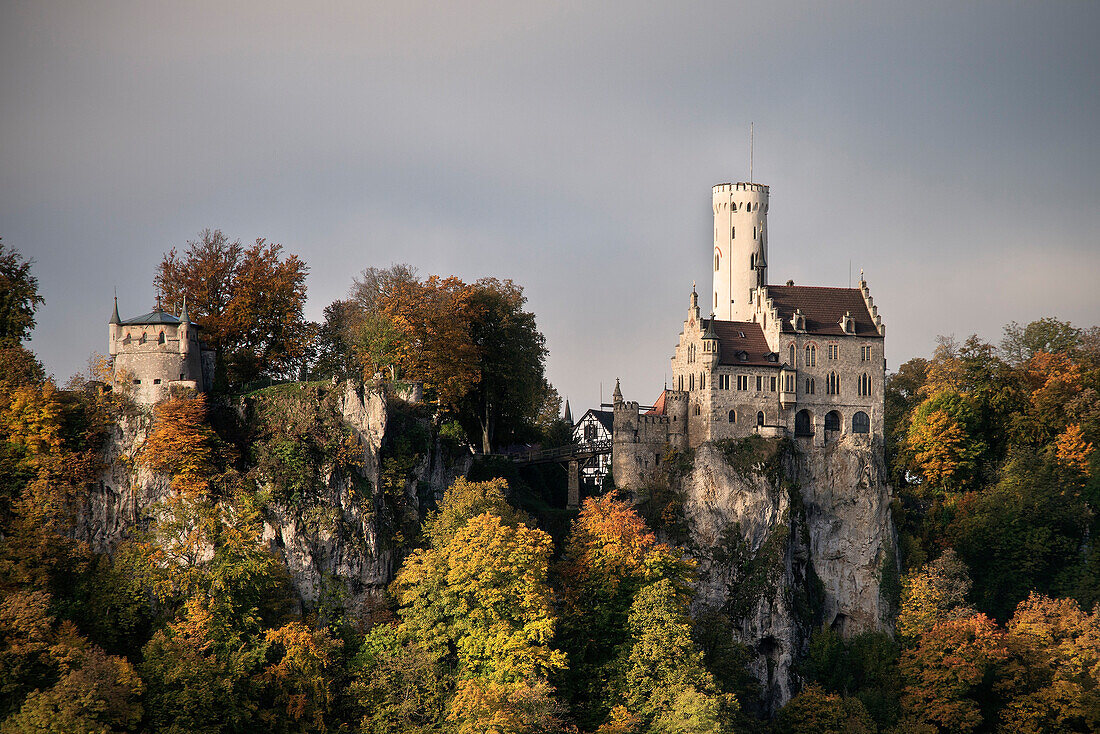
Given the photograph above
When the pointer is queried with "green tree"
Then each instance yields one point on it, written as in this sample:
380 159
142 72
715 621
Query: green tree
19 299
816 711
511 351
664 679
1050 335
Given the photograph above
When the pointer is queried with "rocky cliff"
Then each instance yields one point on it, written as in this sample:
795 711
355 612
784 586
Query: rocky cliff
788 538
339 534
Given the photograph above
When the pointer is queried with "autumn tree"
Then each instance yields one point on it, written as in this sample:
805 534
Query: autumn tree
950 676
934 594
19 299
609 557
184 446
1053 684
248 300
477 601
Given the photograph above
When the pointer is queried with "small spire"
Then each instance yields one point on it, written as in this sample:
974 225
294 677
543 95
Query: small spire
114 317
568 413
183 313
710 333
158 307
617 396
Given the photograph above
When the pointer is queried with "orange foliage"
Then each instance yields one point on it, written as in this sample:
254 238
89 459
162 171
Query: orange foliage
947 671
183 446
433 318
1072 450
610 543
940 445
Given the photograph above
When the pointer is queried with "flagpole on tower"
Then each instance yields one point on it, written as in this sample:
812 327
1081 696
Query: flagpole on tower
750 151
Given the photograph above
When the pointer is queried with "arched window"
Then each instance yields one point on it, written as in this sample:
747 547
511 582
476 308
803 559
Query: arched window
791 351
809 386
697 410
760 418
803 423
832 421
144 337
811 355
733 416
861 423
160 339
832 384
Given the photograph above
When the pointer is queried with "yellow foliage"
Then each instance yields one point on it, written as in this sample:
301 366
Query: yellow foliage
940 445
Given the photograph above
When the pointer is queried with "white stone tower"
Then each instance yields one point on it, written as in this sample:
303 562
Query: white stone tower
740 248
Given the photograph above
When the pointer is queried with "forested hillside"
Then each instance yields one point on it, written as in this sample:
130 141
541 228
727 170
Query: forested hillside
506 613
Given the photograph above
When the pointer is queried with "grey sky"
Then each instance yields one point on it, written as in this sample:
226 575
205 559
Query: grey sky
951 150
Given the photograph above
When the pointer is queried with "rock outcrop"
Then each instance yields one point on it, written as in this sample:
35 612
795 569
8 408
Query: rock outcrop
789 539
337 544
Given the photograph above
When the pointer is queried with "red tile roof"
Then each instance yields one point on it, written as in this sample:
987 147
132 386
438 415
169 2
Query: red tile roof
742 342
823 308
659 406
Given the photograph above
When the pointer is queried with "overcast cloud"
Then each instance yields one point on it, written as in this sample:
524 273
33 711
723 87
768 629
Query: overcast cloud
951 150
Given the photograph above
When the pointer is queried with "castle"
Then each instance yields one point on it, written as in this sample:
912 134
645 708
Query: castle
773 360
156 351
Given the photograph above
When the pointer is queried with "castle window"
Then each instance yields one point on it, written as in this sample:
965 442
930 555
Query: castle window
790 361
834 351
742 382
865 384
811 355
723 382
760 418
832 421
759 383
160 339
832 384
861 423
156 382
691 381
716 268
732 416
733 232
137 382
752 261
788 383
772 383
865 354
754 233
803 425
716 295
697 410
143 337
702 381
809 386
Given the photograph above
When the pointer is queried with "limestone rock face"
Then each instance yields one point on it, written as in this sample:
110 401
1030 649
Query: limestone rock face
787 547
336 545
119 500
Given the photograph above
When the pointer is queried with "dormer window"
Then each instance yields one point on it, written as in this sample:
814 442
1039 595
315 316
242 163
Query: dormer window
743 356
847 323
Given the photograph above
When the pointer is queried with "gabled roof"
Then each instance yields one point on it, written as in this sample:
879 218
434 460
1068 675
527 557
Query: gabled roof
742 342
605 417
823 309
